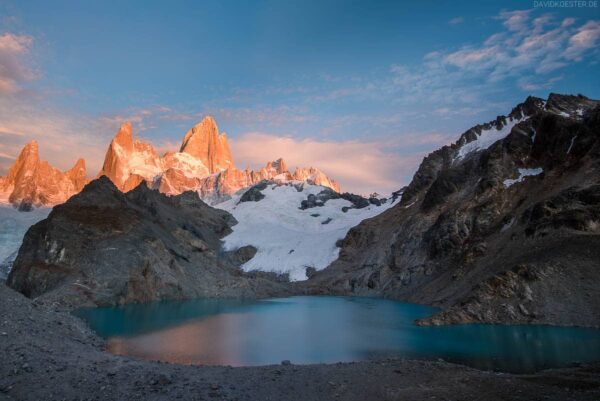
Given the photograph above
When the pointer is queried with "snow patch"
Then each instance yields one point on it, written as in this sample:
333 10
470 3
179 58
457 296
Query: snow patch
13 226
487 138
523 172
287 239
571 145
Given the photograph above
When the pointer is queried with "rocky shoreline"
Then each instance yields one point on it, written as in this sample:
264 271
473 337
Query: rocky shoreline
50 354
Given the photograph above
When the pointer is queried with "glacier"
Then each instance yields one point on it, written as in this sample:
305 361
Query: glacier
13 226
288 239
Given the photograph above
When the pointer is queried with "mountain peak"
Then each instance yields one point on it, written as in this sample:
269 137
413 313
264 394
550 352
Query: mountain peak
124 137
278 165
33 181
204 143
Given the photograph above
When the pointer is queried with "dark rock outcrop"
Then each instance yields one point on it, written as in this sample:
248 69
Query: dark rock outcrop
254 194
358 202
506 232
104 247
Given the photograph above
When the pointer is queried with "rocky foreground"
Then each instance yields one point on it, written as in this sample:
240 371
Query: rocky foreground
48 354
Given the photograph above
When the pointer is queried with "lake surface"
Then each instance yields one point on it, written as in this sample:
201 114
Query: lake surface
328 329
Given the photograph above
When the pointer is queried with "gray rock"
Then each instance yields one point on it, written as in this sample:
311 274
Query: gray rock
460 239
103 247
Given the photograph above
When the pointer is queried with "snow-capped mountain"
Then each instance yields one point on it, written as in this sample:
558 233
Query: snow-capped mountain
204 163
294 226
499 227
34 182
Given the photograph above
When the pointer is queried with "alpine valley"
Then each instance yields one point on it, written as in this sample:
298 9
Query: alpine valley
501 226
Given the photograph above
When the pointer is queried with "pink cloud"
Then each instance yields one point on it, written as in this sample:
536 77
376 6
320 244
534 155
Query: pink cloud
585 39
360 167
14 68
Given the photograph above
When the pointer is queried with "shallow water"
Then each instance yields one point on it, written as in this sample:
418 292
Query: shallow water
328 329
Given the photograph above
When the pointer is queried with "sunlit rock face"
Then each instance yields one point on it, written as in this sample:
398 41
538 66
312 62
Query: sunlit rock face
315 176
204 164
34 182
129 162
206 144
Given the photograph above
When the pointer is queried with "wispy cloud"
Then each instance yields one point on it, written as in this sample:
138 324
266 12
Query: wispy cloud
456 20
527 47
14 66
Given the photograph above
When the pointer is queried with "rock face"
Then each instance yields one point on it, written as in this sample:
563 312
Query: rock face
104 247
129 162
206 144
204 164
34 182
502 226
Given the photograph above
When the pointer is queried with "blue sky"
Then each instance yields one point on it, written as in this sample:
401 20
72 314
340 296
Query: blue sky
360 89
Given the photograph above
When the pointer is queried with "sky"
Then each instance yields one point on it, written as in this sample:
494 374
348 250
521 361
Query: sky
362 90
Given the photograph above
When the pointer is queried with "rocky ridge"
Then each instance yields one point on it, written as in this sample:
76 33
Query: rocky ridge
105 247
204 164
499 227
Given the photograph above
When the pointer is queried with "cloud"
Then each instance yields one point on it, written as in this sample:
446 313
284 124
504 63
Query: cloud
14 65
63 137
456 20
515 20
525 51
528 47
585 39
359 166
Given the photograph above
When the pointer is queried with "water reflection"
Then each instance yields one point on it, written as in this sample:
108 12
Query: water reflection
328 329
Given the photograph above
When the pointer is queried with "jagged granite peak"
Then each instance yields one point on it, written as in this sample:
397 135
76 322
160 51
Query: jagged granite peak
315 176
31 181
505 233
205 143
106 247
279 166
204 164
78 173
129 162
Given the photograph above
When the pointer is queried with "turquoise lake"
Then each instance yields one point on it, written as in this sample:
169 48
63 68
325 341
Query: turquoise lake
325 329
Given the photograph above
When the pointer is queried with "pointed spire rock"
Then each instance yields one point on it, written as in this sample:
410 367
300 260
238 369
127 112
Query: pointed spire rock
124 137
25 164
78 174
280 166
31 181
204 143
128 162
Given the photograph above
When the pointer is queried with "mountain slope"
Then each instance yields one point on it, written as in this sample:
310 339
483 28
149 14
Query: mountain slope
104 247
502 226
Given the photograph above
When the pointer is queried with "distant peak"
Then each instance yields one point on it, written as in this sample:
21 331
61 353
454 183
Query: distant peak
31 146
208 122
80 163
124 136
204 143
